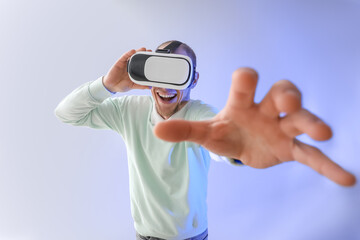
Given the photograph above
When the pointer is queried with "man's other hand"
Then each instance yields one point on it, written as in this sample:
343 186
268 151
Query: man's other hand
256 134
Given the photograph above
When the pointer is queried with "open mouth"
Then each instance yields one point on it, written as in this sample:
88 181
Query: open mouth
166 97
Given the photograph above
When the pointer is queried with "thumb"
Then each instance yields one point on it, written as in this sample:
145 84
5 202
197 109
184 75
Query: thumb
181 130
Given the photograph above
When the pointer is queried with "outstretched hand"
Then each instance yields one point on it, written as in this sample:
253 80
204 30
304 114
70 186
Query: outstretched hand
255 133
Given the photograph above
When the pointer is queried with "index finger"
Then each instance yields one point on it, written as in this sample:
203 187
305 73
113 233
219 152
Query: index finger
125 57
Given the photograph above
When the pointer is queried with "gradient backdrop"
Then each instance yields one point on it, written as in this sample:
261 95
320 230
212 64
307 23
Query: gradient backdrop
62 182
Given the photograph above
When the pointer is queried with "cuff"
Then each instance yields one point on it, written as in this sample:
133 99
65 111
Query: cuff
231 161
98 91
235 161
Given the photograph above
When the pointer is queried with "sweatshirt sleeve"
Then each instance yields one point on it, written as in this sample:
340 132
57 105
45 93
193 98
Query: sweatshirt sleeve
90 105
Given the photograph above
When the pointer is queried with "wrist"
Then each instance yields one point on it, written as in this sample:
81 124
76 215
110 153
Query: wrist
107 87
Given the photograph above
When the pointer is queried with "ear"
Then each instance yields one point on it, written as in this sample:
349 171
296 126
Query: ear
196 78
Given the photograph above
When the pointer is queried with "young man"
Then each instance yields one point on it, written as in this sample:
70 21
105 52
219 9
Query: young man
168 179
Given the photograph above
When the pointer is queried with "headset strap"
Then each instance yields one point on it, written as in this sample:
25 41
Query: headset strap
170 47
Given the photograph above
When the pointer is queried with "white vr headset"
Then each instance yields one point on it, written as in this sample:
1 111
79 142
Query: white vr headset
164 70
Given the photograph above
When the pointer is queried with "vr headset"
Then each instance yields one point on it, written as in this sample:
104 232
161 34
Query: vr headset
161 69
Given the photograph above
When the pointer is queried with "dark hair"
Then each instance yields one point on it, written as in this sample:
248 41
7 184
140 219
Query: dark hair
174 45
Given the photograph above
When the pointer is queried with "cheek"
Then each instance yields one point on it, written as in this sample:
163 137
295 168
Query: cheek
153 93
179 96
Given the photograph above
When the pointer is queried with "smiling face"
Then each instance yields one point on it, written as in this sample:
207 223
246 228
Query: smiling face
169 101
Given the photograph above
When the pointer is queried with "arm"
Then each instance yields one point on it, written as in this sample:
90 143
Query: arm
91 105
88 105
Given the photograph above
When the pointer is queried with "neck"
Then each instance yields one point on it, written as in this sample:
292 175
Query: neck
166 116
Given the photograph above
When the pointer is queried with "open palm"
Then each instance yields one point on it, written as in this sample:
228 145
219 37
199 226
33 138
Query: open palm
255 133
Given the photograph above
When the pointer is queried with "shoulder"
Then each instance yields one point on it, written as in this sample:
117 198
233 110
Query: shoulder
133 100
198 110
130 104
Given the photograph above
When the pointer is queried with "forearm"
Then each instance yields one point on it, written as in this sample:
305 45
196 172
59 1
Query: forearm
78 107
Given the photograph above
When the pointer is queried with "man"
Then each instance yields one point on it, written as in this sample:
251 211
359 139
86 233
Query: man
168 179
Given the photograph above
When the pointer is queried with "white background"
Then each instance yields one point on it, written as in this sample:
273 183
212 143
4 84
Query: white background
62 182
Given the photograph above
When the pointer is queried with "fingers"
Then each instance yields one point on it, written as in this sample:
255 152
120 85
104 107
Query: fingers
305 122
283 96
125 57
243 88
142 49
181 130
315 159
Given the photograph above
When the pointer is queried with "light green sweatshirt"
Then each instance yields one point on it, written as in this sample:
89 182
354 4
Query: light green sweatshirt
168 181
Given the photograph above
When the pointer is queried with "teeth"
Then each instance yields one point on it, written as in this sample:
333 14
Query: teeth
166 95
